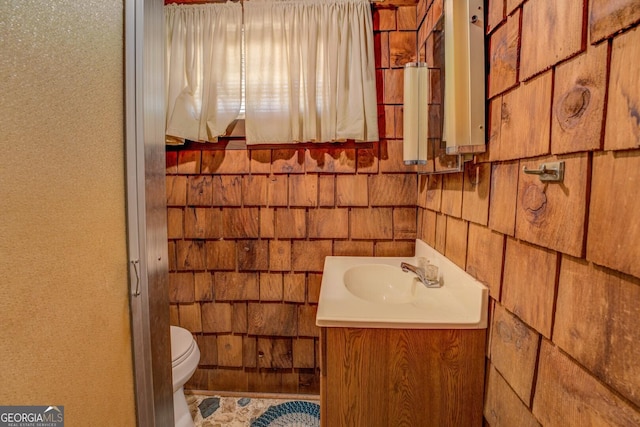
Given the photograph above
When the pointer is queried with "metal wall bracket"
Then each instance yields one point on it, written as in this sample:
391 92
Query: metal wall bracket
548 172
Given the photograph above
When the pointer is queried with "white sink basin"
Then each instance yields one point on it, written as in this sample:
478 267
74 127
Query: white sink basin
373 292
380 283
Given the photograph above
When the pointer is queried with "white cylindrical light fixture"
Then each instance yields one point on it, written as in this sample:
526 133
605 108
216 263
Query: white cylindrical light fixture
416 113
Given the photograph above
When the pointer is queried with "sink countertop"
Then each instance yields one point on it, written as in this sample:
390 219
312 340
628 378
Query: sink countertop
461 303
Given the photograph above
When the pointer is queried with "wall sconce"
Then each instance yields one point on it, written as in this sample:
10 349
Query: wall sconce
464 93
416 113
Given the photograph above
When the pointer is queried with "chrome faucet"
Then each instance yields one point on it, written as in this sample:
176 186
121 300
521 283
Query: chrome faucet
422 275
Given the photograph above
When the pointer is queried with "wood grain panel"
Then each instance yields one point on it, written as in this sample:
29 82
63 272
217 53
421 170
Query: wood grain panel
393 190
495 14
567 395
526 120
561 23
503 197
402 48
272 319
529 283
393 377
606 17
514 350
456 243
503 55
614 231
597 323
578 106
452 194
485 257
502 407
553 215
276 353
338 160
309 255
351 190
371 223
623 106
475 192
216 317
303 190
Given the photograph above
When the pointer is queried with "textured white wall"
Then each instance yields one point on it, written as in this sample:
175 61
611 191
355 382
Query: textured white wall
64 312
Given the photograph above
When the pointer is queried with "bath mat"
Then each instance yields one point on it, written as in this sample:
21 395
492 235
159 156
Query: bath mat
290 414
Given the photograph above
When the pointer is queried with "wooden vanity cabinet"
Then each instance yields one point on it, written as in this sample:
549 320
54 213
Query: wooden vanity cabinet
401 377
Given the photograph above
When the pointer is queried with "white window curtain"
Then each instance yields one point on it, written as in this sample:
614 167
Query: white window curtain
310 72
203 69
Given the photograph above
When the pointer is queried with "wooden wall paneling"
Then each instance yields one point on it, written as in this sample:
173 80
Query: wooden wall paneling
526 114
271 287
233 286
333 160
253 255
404 223
189 162
485 257
622 129
456 241
260 161
495 14
475 192
393 190
529 284
303 190
434 193
607 17
216 317
406 18
287 161
294 287
225 162
452 185
176 190
351 190
502 407
614 231
553 215
441 232
272 319
568 395
514 351
503 197
203 286
596 323
371 223
328 223
255 190
276 353
511 5
402 48
221 254
578 102
309 255
279 255
504 46
562 24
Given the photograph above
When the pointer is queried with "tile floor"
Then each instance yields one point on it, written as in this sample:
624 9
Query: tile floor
232 411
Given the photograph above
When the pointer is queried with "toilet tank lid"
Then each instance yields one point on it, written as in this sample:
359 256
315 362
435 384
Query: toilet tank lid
181 342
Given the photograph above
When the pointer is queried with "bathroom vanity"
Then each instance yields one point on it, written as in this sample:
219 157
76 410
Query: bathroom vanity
396 353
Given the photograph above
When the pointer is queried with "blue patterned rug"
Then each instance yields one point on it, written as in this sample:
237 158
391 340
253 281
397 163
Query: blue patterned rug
297 413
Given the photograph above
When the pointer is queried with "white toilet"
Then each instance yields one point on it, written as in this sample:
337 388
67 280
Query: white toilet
185 356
